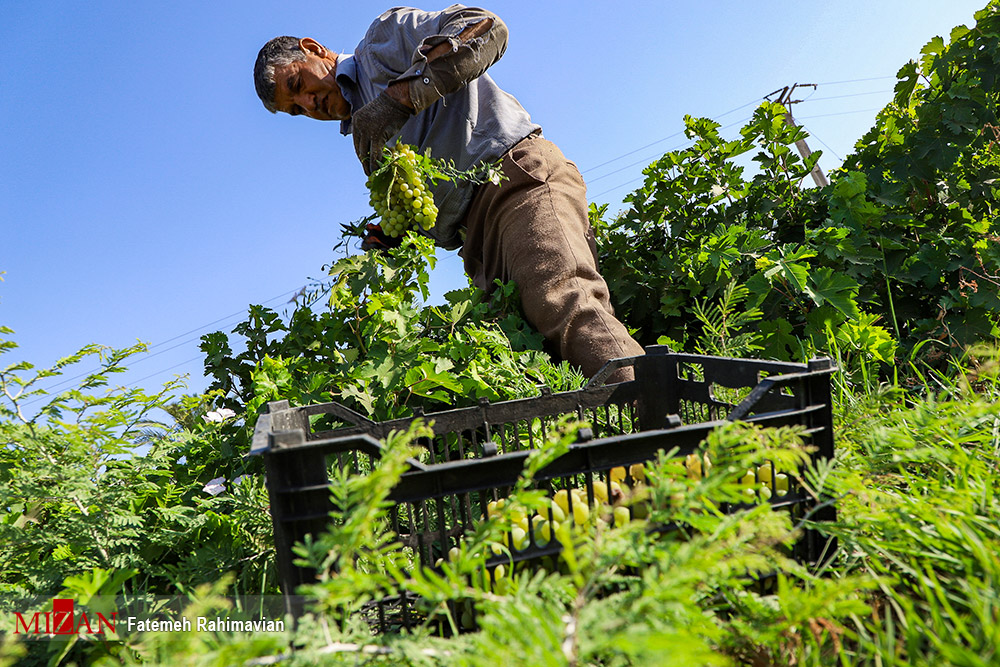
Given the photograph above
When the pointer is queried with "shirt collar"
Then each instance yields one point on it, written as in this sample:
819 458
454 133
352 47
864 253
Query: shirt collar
347 79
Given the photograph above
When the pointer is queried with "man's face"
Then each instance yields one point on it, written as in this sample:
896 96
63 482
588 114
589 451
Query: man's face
309 87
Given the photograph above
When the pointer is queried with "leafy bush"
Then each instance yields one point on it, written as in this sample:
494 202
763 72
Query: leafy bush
378 349
77 495
901 248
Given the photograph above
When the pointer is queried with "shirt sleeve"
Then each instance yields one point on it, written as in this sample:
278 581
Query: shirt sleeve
414 33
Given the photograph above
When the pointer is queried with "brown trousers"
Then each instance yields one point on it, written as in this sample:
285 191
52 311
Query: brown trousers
533 229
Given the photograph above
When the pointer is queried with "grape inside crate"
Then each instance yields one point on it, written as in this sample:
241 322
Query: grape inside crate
478 452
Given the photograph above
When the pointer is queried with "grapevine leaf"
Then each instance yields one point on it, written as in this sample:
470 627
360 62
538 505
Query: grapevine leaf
837 289
907 83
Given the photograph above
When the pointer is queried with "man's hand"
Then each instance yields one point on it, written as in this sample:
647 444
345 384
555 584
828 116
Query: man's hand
376 239
374 124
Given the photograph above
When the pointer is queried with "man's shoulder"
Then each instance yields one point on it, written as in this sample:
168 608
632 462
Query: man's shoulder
403 9
397 15
393 10
386 22
405 16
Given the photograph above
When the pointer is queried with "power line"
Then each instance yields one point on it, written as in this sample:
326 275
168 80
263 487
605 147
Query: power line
601 194
635 180
183 363
733 110
839 97
633 152
221 319
67 381
644 160
658 141
842 113
678 147
813 136
873 78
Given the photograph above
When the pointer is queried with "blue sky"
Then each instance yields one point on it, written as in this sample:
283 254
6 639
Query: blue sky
148 196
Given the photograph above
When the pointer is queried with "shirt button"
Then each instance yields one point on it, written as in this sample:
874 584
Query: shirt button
418 71
426 80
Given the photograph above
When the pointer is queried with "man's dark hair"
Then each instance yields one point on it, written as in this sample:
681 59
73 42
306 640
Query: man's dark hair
278 52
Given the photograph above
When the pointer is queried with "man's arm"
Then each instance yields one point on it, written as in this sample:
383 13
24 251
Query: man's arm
445 64
466 41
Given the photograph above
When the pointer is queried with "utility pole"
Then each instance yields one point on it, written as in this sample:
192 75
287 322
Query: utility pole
785 99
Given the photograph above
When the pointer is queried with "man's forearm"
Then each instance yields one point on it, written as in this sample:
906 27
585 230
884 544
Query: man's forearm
451 64
400 91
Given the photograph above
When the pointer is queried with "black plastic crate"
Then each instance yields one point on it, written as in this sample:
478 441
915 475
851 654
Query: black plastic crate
478 452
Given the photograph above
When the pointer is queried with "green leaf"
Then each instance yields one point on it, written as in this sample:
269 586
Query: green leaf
907 84
796 274
935 47
957 33
359 394
837 289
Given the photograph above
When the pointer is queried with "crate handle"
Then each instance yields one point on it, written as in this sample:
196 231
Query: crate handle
608 368
366 445
764 386
819 366
341 412
260 443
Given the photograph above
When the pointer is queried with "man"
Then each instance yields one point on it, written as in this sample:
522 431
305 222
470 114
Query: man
421 77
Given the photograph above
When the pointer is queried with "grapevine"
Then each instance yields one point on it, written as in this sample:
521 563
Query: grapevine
400 193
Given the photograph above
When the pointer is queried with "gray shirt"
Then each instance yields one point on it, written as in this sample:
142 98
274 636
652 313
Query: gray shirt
475 124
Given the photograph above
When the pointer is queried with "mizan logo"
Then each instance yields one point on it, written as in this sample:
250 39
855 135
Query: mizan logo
63 620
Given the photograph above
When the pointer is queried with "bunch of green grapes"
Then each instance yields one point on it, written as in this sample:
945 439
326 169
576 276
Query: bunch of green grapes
400 195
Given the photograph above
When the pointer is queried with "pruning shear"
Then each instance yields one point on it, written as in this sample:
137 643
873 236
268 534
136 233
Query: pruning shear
372 237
